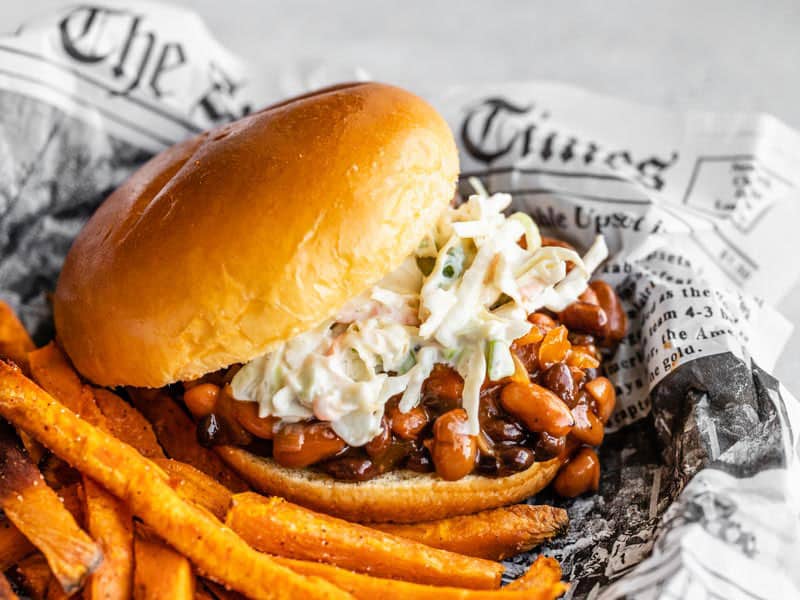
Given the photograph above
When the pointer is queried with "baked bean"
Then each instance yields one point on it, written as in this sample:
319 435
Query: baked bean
378 445
581 474
201 399
419 460
351 469
588 427
443 389
554 346
617 320
558 379
602 392
489 465
542 321
408 425
580 339
549 446
527 355
247 416
502 430
298 445
538 408
588 296
578 375
454 451
590 374
517 458
585 317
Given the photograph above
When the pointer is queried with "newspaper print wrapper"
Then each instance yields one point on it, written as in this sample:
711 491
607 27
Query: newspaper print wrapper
699 491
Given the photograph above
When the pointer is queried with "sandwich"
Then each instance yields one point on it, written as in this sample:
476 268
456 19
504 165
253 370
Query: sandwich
345 330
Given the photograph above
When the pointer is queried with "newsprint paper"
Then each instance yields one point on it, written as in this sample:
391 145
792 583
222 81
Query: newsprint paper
700 483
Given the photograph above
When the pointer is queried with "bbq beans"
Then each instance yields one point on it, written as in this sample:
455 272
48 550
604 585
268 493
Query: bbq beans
538 408
298 445
453 449
555 405
581 474
588 428
410 424
201 399
610 302
604 396
558 379
585 317
247 416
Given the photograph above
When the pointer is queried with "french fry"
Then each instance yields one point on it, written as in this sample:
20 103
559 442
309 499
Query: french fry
176 433
161 572
6 592
15 343
365 587
278 527
13 545
108 520
126 423
38 513
110 523
545 571
198 487
214 549
491 534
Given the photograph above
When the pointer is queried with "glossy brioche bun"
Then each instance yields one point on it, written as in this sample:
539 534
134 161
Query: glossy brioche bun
252 233
397 496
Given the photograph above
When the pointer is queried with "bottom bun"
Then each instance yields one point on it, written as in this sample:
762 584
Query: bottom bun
397 496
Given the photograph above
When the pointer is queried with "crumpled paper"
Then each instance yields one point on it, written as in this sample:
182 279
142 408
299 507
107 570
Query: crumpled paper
699 490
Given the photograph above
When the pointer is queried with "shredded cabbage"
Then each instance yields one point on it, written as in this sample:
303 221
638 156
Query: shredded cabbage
461 299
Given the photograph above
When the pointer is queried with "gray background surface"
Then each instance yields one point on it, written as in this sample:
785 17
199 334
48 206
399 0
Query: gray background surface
714 55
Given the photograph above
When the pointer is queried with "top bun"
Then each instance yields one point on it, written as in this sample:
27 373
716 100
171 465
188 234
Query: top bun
251 233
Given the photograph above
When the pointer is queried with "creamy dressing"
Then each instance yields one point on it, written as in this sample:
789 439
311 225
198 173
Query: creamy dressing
461 299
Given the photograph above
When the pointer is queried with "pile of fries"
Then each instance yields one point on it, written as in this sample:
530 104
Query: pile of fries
107 499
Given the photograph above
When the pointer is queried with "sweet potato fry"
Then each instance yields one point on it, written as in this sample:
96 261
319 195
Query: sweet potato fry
38 513
366 587
161 573
196 486
52 371
279 527
6 592
15 343
110 523
492 534
214 549
34 576
544 572
13 545
220 593
126 423
108 520
176 433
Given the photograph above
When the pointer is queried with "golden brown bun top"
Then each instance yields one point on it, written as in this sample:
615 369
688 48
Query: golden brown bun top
251 233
